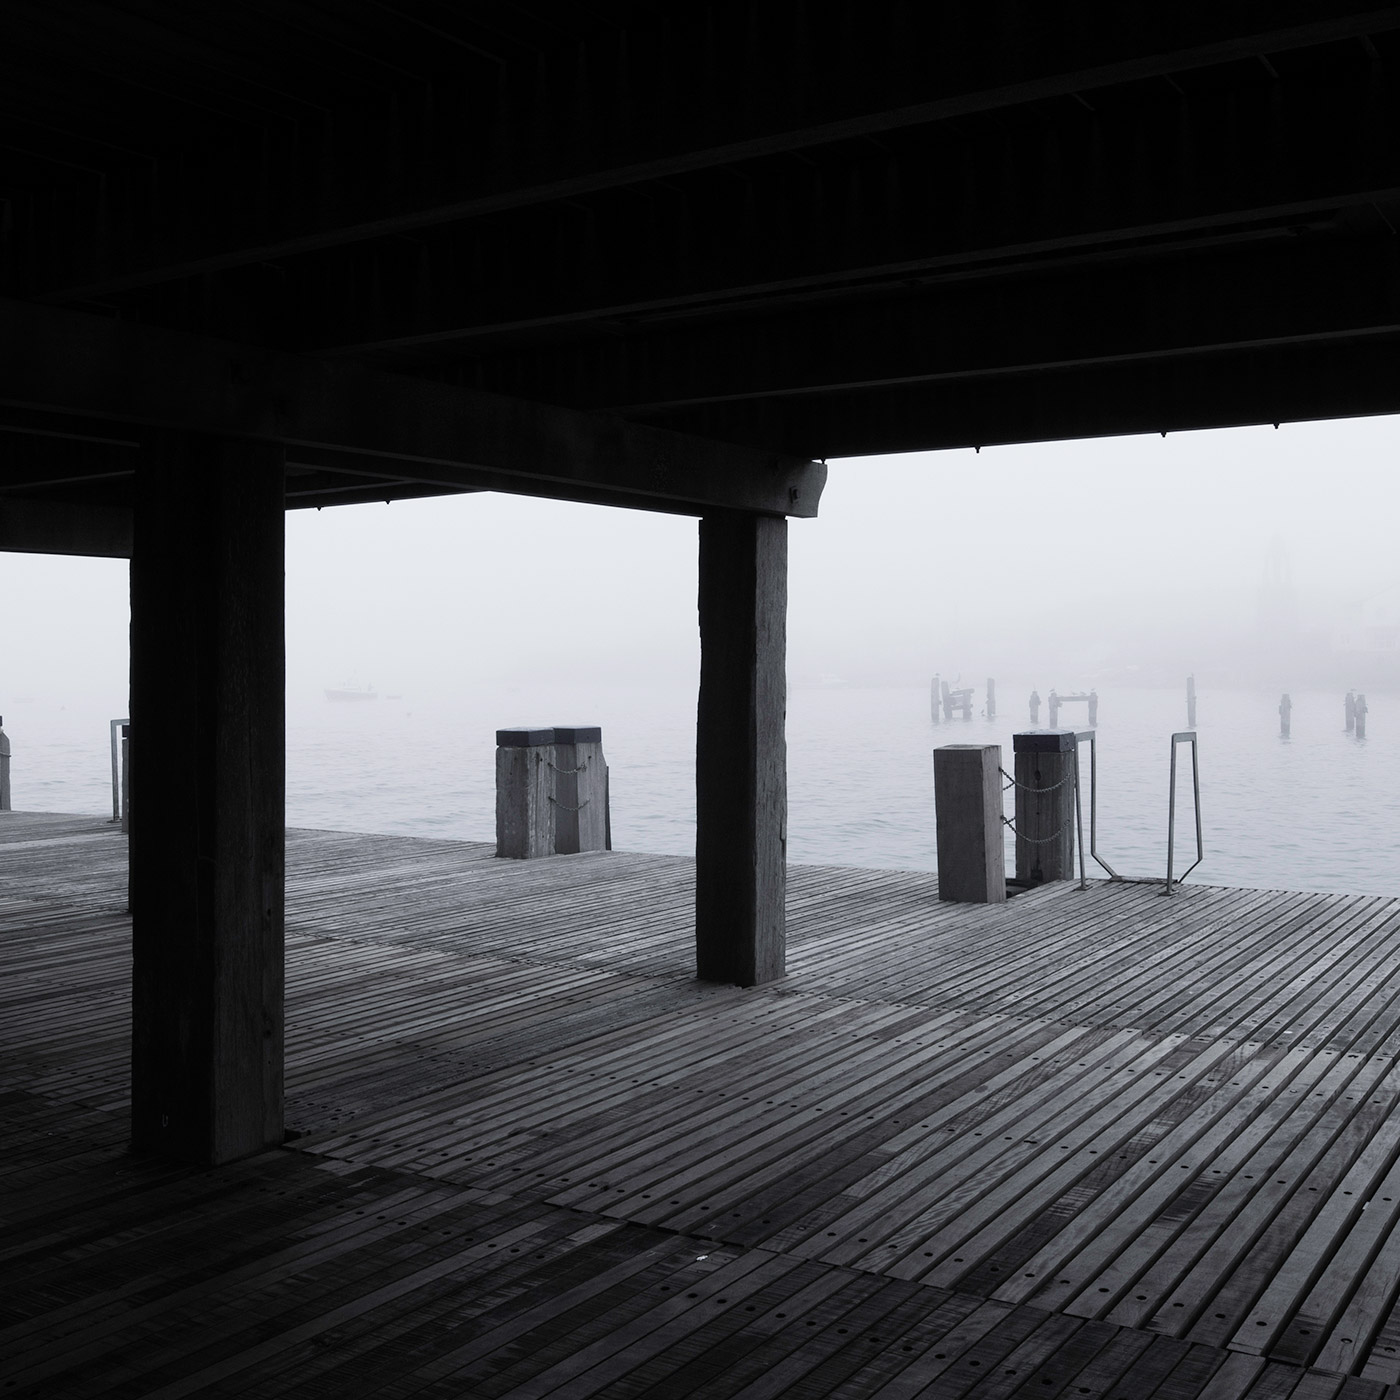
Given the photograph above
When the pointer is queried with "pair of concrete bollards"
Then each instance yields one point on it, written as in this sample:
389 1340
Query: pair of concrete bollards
551 792
968 785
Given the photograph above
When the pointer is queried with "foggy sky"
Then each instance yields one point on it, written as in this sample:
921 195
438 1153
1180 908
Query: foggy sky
1054 558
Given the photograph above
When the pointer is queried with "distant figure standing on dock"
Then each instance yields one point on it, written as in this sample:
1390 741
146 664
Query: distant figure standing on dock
1351 710
1285 716
1360 714
1035 706
1093 709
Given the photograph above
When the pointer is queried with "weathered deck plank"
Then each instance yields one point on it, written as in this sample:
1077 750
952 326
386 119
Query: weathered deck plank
1080 1143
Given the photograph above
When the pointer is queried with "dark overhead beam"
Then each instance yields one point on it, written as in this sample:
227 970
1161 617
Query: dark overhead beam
48 527
1007 79
1298 288
64 362
1293 383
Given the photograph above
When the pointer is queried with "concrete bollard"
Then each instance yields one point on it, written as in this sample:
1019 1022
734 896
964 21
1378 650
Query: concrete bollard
579 796
4 768
1349 709
1044 768
1360 714
524 823
1190 702
967 817
1285 717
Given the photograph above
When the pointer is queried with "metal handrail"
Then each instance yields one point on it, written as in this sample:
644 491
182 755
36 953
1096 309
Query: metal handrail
1185 736
1079 738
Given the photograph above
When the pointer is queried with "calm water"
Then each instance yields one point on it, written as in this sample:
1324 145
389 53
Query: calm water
1319 812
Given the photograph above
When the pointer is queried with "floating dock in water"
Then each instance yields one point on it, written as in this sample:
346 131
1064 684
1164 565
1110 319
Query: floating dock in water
1090 1142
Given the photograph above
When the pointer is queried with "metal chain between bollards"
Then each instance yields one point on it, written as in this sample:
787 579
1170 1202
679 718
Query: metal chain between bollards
1036 840
564 806
1026 787
567 772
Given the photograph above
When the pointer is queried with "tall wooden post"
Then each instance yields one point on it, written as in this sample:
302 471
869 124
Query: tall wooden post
207 834
968 822
1044 767
741 750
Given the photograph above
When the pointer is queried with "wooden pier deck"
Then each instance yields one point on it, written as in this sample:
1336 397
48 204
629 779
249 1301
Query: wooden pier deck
1095 1143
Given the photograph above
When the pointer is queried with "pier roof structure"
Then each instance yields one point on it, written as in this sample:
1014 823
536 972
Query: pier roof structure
800 233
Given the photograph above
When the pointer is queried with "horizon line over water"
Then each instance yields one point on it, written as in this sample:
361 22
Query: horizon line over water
1318 811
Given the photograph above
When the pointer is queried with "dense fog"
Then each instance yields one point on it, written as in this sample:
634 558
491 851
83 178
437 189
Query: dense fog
1251 556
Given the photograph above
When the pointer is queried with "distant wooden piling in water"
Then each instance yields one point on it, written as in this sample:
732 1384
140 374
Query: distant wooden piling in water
957 700
1285 717
935 701
1191 702
1360 715
1090 697
991 698
1349 709
4 768
1035 706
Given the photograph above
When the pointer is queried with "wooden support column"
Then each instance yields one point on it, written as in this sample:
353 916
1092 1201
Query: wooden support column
741 750
207 859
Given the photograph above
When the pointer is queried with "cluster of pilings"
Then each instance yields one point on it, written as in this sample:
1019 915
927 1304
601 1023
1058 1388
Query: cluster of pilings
1354 710
945 701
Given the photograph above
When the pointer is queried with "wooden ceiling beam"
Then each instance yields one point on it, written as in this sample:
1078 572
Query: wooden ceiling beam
55 361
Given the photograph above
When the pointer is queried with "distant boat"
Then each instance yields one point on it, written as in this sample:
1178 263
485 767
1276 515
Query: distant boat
352 692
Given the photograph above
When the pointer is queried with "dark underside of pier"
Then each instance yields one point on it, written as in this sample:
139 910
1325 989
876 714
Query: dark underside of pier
1092 1143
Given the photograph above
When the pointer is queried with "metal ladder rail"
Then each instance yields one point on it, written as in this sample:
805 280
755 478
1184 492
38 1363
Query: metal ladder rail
1185 736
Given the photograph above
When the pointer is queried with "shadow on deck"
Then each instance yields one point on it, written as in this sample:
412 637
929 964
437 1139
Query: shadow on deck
1097 1143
